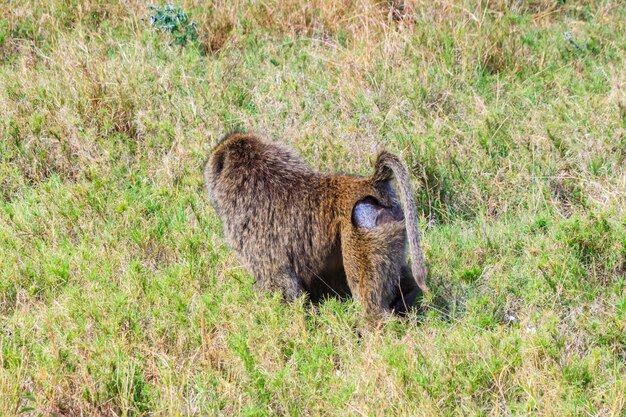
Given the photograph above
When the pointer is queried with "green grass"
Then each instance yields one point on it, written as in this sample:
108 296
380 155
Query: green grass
119 296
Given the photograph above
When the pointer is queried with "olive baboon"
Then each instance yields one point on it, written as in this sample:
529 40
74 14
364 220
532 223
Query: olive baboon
298 230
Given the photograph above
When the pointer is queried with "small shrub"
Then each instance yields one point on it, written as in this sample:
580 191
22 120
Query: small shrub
173 20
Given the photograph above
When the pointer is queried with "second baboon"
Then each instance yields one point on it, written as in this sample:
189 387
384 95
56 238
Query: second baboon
298 230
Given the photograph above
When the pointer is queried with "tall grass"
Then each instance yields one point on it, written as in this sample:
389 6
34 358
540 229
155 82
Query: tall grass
118 295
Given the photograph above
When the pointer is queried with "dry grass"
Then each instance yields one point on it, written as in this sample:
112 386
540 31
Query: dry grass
119 297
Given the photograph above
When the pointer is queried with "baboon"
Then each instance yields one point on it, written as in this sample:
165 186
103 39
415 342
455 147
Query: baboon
298 230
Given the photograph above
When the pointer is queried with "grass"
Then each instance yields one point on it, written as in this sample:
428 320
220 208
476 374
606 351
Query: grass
119 297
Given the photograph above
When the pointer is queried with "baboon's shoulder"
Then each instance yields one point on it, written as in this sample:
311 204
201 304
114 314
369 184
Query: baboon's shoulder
238 141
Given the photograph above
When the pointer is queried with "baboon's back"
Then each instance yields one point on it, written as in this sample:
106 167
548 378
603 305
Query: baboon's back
268 198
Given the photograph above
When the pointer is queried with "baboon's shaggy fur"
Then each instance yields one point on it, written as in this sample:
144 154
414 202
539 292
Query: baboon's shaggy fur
297 230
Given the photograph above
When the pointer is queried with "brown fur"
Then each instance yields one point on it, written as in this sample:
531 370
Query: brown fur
292 226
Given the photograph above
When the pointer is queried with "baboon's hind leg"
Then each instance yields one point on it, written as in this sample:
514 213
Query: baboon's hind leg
408 293
284 280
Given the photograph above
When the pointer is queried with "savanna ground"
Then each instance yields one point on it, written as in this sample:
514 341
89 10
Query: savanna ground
119 297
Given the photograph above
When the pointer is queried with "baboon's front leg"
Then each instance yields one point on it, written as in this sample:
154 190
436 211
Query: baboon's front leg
284 280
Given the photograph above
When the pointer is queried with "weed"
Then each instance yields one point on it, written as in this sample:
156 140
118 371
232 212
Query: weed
173 20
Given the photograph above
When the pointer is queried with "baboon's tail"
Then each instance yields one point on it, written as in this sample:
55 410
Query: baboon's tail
387 165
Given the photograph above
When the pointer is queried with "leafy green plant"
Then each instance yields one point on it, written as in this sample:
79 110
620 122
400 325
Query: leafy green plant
173 20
